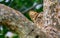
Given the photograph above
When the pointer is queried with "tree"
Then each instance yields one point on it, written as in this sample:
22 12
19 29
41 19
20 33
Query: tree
46 24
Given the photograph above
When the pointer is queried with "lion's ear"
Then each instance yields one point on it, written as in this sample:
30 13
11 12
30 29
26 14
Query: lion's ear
33 15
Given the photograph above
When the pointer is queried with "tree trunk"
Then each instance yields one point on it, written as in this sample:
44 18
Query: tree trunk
48 20
46 24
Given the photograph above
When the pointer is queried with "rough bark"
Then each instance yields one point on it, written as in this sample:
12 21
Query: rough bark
48 20
46 24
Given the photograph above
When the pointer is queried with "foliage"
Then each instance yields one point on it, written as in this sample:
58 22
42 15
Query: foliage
23 5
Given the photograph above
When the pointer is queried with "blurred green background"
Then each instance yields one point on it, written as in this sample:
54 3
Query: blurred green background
24 6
